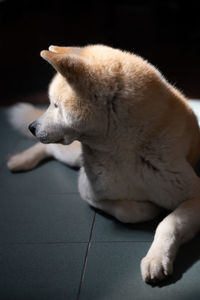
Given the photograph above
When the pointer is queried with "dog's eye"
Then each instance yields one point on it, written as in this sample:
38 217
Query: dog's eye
55 105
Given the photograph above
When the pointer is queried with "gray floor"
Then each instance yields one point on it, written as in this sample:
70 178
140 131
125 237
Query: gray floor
54 246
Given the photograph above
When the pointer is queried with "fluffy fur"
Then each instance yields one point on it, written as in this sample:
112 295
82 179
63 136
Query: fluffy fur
134 137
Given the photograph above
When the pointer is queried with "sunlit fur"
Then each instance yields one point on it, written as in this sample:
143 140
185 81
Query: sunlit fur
134 137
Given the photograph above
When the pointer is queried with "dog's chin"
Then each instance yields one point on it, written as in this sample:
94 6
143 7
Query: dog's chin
60 141
64 141
44 139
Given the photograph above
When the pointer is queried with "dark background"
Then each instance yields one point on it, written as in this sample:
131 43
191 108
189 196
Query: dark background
167 33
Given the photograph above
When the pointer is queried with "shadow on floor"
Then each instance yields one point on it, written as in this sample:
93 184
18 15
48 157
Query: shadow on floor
187 255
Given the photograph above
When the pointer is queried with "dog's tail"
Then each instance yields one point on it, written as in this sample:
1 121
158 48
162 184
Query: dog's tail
21 115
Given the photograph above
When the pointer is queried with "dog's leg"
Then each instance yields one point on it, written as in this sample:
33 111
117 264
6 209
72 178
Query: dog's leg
128 211
177 228
31 157
27 159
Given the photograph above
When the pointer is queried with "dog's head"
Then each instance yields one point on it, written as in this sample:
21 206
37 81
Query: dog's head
91 93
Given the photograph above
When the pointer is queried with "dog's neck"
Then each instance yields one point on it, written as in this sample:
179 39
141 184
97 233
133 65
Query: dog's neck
104 153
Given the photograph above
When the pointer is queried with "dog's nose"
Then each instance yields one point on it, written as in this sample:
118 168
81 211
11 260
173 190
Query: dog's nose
32 127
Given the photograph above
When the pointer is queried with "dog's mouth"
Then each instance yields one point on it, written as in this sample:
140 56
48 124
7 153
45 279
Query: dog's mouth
44 137
60 141
45 140
64 141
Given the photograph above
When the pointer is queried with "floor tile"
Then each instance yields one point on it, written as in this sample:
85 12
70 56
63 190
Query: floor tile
49 177
113 272
9 137
109 229
7 147
44 218
41 272
4 117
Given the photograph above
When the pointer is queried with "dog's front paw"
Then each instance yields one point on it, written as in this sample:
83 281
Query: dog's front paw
155 268
20 162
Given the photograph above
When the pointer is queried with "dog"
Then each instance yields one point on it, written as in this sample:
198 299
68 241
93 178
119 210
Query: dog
132 134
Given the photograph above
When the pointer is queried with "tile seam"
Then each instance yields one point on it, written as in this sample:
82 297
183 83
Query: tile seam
40 243
86 258
130 241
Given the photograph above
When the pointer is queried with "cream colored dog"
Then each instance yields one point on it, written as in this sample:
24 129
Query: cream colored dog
132 134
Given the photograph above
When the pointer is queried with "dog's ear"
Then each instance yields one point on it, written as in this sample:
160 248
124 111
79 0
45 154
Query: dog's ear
75 67
58 49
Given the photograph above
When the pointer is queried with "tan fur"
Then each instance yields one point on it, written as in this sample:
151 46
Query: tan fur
135 138
147 85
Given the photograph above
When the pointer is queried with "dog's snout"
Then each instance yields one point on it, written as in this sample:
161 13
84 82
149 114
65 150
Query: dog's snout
32 127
